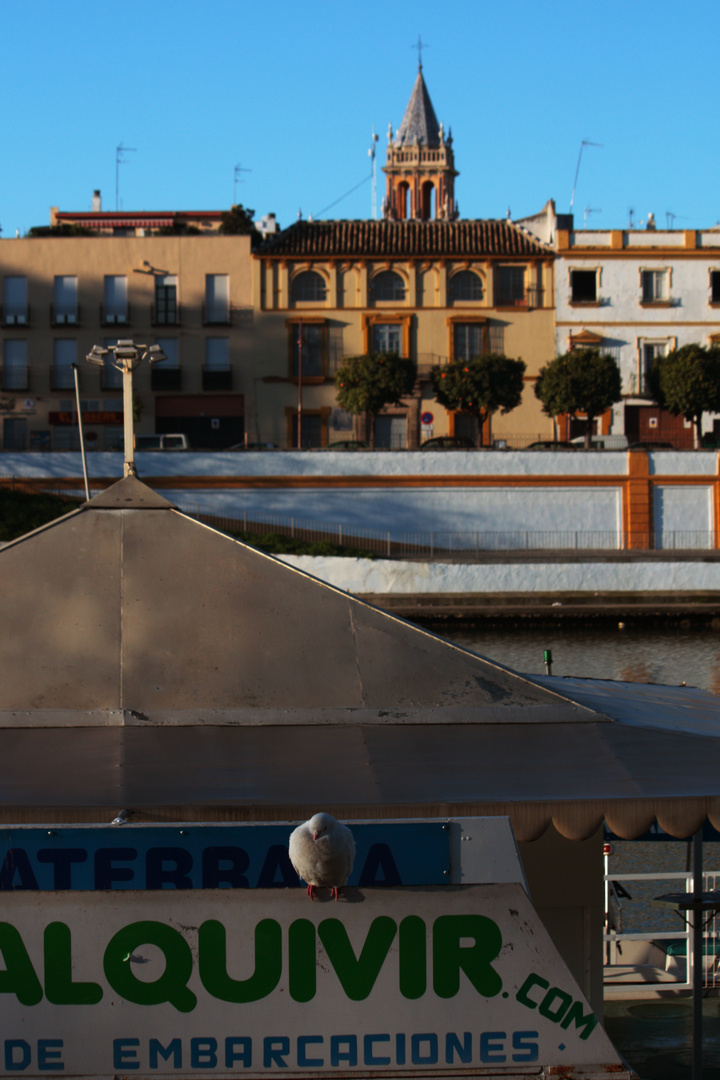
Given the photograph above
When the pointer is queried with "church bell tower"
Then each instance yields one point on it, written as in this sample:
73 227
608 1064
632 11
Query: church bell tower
420 165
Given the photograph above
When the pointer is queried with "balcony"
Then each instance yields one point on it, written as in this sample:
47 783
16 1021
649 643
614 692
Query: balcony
527 300
111 379
215 379
62 378
114 318
214 316
16 319
165 314
165 378
65 319
15 378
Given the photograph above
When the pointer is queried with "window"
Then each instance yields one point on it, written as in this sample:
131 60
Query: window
468 340
64 356
583 286
465 285
714 286
387 286
217 298
15 309
217 353
65 305
655 286
307 349
649 351
166 305
15 373
166 374
112 378
170 346
115 299
387 337
509 286
308 287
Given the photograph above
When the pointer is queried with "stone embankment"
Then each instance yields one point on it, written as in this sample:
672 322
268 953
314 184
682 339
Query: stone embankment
623 532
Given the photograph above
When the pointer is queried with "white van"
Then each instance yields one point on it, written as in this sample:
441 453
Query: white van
603 442
156 442
161 442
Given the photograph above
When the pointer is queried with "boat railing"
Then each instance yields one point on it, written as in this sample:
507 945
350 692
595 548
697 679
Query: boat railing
661 956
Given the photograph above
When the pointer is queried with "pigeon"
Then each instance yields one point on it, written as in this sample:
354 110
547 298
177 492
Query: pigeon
322 852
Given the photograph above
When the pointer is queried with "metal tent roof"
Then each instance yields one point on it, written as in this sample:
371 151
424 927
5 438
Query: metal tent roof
153 663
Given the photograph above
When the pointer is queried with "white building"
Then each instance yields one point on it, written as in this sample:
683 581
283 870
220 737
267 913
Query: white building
635 294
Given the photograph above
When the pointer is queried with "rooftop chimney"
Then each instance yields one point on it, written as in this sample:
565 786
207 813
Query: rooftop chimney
96 202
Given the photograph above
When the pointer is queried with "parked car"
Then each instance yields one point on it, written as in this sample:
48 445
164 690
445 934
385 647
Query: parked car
155 442
348 444
162 442
448 442
551 444
252 446
603 442
652 445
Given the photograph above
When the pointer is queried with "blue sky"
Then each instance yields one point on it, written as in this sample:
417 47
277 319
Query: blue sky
291 92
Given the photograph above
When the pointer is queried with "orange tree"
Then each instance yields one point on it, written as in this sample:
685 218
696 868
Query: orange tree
366 384
686 382
580 381
481 386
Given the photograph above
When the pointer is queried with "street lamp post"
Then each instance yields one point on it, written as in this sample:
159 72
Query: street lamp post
126 356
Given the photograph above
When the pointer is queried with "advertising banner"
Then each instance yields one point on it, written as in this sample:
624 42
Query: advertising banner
98 857
257 981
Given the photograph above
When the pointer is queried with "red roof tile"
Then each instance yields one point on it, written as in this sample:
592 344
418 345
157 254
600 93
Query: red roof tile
402 239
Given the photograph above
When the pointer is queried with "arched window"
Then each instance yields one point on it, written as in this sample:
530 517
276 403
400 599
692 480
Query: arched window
466 285
309 286
428 201
403 208
388 286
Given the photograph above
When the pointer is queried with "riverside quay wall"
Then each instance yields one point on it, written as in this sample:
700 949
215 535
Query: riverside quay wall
439 501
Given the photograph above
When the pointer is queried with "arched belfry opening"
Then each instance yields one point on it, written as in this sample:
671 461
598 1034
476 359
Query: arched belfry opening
420 165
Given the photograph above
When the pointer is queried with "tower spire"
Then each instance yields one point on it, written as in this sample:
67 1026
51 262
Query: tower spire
420 168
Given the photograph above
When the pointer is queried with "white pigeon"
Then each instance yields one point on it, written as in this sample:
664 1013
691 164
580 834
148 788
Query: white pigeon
322 852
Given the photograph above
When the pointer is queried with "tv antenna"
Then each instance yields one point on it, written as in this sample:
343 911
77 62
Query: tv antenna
120 160
631 217
583 144
371 155
671 218
590 210
237 179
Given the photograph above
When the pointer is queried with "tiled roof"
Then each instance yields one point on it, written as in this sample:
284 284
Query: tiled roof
401 239
419 124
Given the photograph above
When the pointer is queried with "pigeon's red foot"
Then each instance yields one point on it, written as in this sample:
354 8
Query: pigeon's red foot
335 893
311 891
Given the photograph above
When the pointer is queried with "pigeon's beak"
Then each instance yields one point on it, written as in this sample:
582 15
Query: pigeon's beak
315 836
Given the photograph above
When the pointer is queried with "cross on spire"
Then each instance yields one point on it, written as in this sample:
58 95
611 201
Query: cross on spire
419 48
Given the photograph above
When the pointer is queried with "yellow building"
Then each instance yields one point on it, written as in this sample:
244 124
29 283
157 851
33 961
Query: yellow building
420 282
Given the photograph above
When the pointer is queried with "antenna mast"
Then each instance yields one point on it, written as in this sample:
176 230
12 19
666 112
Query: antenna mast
238 169
120 160
371 155
583 144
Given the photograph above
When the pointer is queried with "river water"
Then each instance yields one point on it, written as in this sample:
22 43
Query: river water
665 653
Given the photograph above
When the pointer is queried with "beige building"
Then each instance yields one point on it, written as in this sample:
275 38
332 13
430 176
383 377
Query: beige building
63 294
